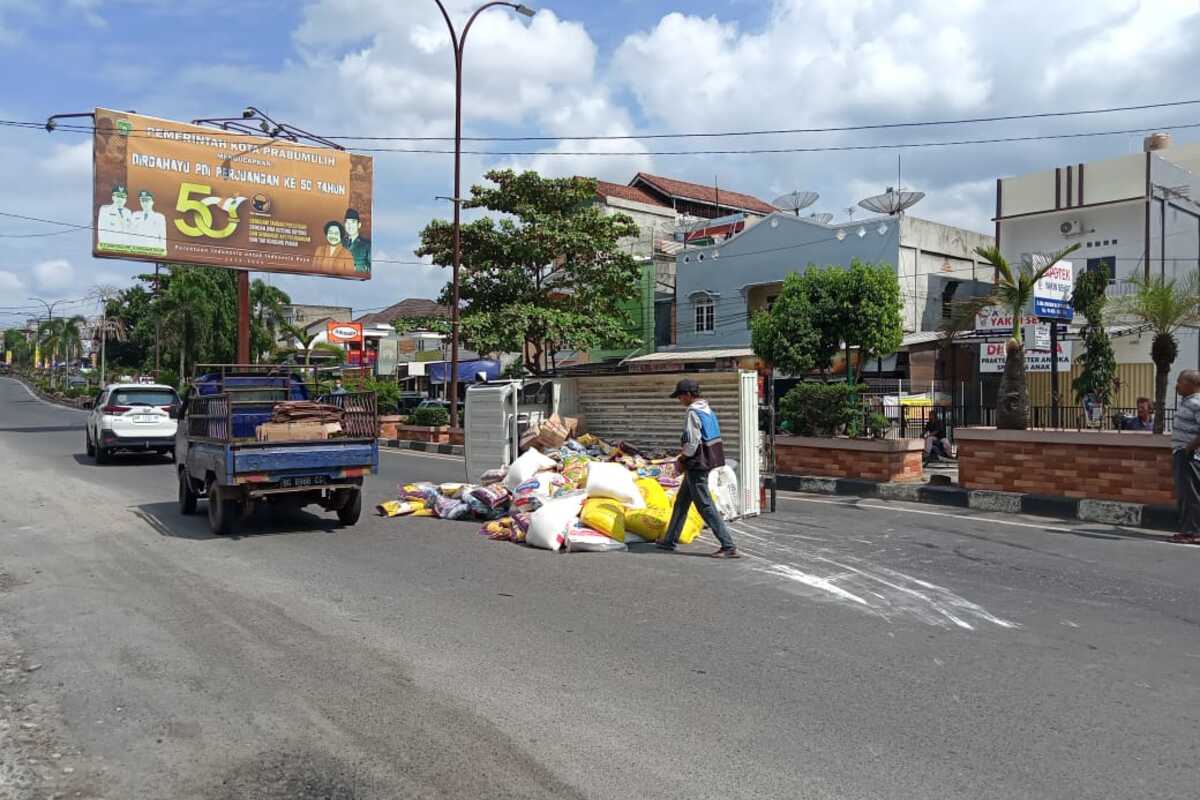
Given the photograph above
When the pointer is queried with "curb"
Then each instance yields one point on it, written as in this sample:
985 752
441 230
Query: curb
424 447
45 398
1108 512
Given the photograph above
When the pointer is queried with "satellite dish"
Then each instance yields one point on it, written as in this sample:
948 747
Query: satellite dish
794 201
821 218
892 202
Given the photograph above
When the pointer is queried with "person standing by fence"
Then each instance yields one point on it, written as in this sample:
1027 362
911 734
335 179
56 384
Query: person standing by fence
1185 440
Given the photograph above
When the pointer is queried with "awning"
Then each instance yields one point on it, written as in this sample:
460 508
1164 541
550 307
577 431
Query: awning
439 371
691 355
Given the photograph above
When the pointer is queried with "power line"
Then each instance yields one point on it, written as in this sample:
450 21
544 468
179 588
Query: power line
724 134
730 151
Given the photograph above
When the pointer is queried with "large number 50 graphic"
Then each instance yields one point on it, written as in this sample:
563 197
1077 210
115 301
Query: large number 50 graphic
202 219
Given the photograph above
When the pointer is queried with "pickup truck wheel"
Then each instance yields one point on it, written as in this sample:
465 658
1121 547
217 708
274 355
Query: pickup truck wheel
222 513
351 510
187 495
87 443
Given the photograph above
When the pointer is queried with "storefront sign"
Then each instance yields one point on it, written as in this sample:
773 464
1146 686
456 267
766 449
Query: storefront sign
992 356
344 332
999 320
168 191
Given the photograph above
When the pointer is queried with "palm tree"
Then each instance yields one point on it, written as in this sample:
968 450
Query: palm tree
49 337
1163 306
72 336
267 303
1013 292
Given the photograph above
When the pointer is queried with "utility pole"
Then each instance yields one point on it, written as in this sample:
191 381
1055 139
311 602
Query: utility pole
49 323
158 326
459 42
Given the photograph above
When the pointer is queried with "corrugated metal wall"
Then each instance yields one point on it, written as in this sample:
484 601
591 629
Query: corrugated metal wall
1137 380
638 408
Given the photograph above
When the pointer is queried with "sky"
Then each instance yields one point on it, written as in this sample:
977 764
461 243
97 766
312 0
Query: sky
581 68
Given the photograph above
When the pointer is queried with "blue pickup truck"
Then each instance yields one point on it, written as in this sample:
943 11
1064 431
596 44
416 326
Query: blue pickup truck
219 456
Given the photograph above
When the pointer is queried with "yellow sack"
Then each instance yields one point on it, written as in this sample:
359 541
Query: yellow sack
653 493
425 512
399 508
606 516
651 523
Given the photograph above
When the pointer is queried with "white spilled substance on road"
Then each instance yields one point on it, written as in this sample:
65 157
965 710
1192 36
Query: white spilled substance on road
842 577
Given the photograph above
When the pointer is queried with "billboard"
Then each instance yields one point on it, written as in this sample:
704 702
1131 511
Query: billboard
344 332
168 191
991 358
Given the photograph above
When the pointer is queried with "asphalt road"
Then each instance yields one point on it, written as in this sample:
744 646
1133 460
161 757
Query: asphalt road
863 650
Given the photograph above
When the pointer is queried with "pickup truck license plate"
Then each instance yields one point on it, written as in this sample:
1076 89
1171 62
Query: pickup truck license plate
307 480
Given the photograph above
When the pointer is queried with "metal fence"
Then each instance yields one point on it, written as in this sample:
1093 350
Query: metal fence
210 417
909 422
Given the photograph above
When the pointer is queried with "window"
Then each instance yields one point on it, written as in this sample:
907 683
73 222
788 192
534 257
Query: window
1107 263
706 316
948 299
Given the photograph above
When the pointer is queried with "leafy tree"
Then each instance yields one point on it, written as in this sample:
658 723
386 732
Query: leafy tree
1164 306
16 343
547 275
1013 291
785 337
824 310
440 325
1099 364
266 316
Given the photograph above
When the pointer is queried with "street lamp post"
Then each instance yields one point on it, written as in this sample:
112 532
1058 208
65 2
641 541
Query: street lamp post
459 42
49 322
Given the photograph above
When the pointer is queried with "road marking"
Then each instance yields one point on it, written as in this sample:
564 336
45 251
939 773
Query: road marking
815 581
45 402
438 456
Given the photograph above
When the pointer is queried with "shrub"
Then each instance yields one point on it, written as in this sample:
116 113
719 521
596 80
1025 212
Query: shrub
387 394
877 425
821 409
431 416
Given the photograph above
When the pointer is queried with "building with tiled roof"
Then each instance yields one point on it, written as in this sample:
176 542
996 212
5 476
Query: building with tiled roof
409 308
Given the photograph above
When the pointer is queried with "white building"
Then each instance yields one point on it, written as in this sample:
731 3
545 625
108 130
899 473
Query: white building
1136 215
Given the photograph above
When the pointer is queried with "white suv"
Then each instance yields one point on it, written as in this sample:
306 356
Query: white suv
131 416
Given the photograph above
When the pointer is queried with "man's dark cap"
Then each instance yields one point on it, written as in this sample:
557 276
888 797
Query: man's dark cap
352 214
119 187
686 386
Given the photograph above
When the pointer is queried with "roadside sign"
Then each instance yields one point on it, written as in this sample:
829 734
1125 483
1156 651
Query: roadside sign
344 332
1052 294
1040 341
992 355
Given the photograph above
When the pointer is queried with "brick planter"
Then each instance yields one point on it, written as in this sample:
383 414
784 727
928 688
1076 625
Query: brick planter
388 424
422 433
1128 466
870 459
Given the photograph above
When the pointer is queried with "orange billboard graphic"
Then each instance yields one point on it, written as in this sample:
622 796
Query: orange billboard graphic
169 191
344 332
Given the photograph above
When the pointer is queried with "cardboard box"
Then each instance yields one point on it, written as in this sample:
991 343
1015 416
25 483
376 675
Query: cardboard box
297 431
552 434
575 426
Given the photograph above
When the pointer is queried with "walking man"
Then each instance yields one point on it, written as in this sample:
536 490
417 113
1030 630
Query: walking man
701 453
1185 440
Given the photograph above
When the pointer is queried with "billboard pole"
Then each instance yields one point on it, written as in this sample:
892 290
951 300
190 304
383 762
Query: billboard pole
243 311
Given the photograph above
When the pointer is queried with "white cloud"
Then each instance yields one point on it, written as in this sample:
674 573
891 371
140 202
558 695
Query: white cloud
89 10
10 284
70 160
54 275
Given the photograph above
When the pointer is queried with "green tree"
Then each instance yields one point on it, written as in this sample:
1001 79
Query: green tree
785 337
1099 365
1164 306
547 275
16 343
266 316
439 325
1013 292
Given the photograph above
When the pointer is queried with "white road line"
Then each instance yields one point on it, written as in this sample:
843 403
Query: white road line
45 402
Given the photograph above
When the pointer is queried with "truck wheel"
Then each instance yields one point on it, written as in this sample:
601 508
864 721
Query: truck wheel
187 495
351 510
87 443
222 513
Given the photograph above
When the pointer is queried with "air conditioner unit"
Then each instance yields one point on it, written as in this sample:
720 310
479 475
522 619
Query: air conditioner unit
1071 227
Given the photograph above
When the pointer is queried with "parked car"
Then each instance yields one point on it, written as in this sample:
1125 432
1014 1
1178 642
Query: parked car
76 381
132 416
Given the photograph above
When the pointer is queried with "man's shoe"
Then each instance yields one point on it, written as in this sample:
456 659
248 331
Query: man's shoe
670 548
727 553
1185 538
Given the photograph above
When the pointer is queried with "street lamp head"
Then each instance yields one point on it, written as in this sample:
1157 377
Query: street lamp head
524 10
